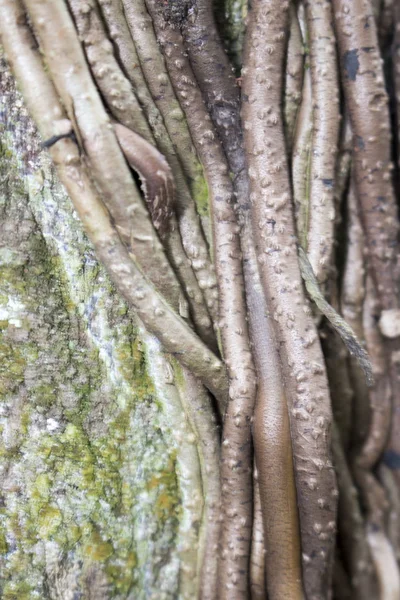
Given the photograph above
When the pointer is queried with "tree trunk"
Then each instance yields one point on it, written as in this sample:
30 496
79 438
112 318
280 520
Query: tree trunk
95 501
199 299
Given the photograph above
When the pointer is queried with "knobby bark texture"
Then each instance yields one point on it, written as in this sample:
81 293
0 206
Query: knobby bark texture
273 228
199 299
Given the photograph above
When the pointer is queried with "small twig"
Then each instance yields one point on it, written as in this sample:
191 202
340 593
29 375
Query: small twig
351 308
257 559
367 101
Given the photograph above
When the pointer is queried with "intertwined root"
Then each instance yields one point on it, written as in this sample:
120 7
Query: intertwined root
266 221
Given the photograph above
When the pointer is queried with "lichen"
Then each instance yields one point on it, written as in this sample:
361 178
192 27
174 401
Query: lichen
201 195
88 478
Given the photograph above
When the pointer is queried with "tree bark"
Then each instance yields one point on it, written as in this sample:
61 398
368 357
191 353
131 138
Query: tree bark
96 499
199 307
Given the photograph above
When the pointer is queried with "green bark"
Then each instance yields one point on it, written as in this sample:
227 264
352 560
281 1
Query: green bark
91 498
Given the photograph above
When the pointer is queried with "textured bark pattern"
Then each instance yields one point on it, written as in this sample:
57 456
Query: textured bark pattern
325 106
368 108
302 145
93 492
236 454
260 190
270 430
367 101
231 18
306 384
352 537
121 100
294 76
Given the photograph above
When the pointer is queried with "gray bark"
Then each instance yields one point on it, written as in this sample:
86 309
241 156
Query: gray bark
95 499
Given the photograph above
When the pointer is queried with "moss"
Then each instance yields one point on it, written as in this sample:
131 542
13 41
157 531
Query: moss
12 366
165 483
44 394
74 534
78 477
17 591
3 543
201 195
133 364
13 280
25 419
121 575
49 520
96 548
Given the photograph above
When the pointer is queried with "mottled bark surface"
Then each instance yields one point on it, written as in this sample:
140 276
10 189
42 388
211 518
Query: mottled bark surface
199 300
94 499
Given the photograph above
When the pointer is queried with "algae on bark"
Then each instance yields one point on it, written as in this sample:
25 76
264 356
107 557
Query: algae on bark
90 496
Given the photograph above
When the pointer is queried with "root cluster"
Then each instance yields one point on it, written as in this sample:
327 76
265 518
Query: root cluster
251 223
